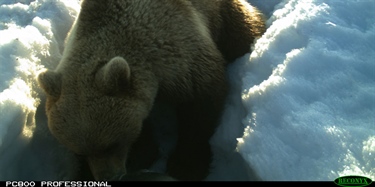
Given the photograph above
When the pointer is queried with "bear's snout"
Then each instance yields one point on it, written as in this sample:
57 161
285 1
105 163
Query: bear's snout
104 169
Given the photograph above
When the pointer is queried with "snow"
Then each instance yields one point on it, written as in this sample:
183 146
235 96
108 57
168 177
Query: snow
301 105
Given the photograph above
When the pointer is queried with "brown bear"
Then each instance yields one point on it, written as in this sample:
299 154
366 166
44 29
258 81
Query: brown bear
122 56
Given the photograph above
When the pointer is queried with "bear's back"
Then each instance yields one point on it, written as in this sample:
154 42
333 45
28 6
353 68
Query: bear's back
140 29
167 37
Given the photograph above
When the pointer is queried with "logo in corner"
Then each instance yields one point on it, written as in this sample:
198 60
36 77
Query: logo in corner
353 180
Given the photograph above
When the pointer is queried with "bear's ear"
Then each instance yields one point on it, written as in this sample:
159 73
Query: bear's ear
50 82
114 77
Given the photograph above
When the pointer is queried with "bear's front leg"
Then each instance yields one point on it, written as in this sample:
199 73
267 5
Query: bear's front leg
197 121
144 151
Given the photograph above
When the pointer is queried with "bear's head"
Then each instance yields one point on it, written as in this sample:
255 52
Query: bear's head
97 112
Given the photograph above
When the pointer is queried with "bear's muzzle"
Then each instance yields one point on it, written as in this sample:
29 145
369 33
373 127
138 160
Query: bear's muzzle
107 168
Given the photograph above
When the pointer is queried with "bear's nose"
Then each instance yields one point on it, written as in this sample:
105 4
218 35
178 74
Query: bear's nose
108 168
117 177
146 175
110 177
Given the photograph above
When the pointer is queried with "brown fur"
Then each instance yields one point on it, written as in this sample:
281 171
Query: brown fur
234 25
122 56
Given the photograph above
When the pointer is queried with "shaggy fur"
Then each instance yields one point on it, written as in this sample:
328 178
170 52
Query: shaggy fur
123 55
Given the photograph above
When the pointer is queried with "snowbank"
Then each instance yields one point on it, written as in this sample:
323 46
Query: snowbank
31 38
309 92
